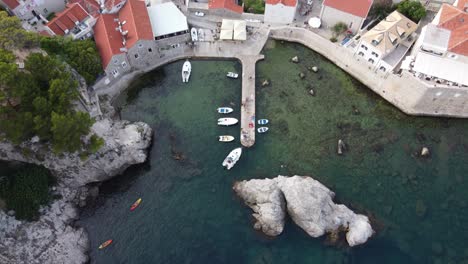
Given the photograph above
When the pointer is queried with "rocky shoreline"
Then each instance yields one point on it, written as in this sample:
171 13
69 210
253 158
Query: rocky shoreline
54 238
308 202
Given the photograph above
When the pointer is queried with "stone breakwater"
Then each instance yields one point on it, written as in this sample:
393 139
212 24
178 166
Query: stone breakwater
53 238
309 204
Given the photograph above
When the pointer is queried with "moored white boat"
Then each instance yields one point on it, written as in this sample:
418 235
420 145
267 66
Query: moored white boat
226 138
186 70
263 121
194 34
232 75
229 121
232 158
262 129
225 110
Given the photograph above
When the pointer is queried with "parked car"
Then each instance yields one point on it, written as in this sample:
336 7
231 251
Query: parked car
200 14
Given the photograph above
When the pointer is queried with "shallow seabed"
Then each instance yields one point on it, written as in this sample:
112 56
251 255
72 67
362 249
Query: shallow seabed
189 213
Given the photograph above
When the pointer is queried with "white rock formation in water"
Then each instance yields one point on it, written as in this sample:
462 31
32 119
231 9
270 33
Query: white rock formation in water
54 239
308 202
267 201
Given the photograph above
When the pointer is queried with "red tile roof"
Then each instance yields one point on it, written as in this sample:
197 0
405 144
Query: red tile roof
109 40
91 6
12 4
67 19
109 4
227 4
462 5
355 7
284 2
456 21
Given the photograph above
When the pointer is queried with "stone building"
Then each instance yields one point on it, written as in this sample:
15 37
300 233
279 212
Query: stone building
385 45
351 12
225 8
125 40
280 11
33 11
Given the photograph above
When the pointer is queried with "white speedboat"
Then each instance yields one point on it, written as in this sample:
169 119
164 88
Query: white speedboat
226 138
228 121
232 158
262 129
194 34
186 70
263 121
225 110
232 75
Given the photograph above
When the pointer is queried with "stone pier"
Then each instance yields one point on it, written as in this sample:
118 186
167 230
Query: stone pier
247 132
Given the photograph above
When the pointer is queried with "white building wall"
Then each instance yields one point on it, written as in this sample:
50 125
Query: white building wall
43 7
330 16
279 14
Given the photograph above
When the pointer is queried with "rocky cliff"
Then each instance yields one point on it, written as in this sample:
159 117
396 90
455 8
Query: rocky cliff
308 202
54 239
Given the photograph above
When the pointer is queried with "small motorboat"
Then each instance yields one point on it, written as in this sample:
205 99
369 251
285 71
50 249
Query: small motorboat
194 34
262 129
229 121
201 35
226 138
232 158
186 70
232 75
225 110
105 244
135 204
263 121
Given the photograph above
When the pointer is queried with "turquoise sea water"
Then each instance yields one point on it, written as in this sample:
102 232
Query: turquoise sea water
190 214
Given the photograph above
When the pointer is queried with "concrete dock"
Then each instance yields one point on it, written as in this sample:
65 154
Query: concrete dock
248 120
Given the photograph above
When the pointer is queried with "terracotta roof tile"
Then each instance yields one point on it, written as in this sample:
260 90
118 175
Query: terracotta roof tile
66 19
456 21
12 4
109 41
284 2
462 5
227 4
109 4
356 7
91 6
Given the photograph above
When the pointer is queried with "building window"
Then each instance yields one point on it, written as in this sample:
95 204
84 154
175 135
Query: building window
382 68
46 11
150 50
124 64
140 45
116 62
361 53
371 61
364 47
136 56
115 73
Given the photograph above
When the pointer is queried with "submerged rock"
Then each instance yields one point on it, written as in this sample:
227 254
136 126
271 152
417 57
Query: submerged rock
309 203
302 75
425 152
295 59
315 69
265 83
341 147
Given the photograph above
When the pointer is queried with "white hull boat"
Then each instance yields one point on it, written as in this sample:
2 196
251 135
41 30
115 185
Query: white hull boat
226 138
194 34
229 121
232 75
232 158
225 110
186 70
263 121
262 129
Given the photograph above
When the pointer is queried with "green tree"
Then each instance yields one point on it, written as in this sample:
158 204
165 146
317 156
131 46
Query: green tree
12 35
61 93
67 130
254 6
412 9
339 28
82 55
26 190
44 69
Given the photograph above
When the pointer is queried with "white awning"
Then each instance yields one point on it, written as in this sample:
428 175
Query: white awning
233 30
442 67
166 19
240 32
315 22
226 34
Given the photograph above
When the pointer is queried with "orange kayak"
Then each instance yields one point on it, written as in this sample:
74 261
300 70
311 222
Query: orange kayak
105 244
135 204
